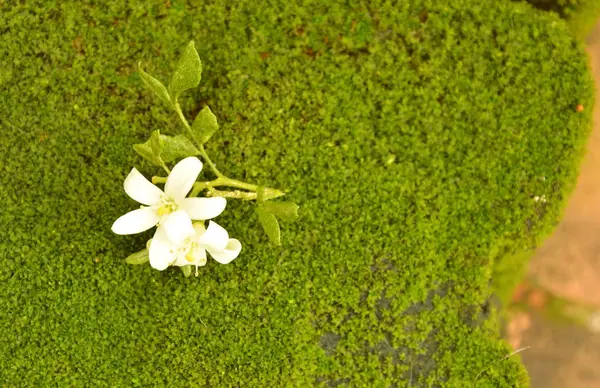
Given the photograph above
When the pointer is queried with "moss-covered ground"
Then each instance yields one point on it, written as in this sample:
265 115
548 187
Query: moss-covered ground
414 135
581 15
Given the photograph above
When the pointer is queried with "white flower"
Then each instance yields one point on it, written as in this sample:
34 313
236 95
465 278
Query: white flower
192 250
171 210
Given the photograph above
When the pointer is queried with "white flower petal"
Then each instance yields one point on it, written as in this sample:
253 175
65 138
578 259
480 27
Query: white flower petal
162 251
231 251
203 208
178 226
182 178
141 189
215 238
135 221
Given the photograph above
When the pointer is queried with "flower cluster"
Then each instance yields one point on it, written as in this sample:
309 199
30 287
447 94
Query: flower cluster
181 238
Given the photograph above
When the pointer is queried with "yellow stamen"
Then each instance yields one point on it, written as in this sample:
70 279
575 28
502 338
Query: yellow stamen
189 257
163 210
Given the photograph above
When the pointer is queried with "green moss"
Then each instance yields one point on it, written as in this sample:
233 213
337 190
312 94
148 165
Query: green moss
509 271
581 15
383 281
583 18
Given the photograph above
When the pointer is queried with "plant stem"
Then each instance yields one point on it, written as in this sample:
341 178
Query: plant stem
210 163
223 181
245 195
159 179
164 166
203 152
182 117
228 182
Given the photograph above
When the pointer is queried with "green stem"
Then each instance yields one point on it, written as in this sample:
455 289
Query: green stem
269 193
164 166
224 181
245 195
210 163
221 180
182 117
203 152
196 190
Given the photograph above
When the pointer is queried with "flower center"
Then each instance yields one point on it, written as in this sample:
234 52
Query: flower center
167 206
190 255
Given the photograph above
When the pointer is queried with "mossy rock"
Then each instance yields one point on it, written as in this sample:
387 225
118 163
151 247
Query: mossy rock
415 138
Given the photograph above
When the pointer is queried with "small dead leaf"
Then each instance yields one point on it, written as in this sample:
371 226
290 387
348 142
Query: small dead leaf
77 44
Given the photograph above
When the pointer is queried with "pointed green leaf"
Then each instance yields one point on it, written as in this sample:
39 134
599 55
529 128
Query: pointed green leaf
140 257
155 142
187 270
285 210
204 126
150 150
270 225
146 152
177 147
187 73
156 86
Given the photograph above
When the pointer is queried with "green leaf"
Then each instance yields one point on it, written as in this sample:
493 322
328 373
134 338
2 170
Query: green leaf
151 149
177 147
156 86
204 126
187 270
270 225
140 257
285 210
155 142
146 152
187 73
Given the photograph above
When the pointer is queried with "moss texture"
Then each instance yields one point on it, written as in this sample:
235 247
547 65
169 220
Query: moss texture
414 137
581 15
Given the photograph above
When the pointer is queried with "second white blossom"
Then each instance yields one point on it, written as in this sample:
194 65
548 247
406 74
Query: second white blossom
192 250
